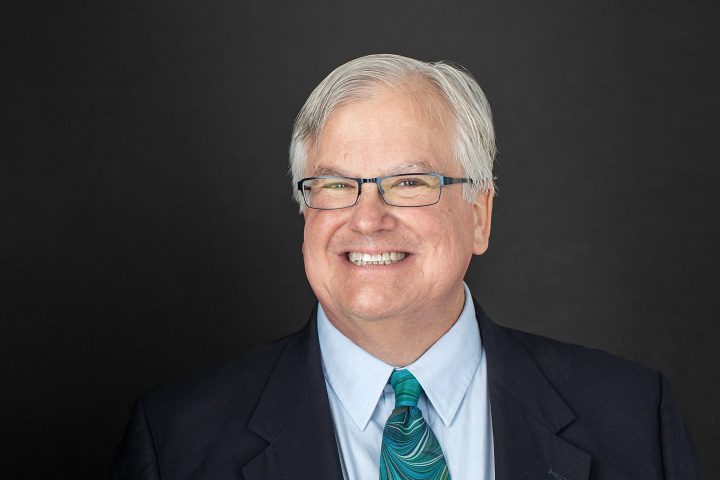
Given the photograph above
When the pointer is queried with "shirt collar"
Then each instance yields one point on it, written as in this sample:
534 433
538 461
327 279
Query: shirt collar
358 378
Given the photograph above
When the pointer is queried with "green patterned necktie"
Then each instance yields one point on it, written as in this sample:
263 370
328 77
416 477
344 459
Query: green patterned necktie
409 449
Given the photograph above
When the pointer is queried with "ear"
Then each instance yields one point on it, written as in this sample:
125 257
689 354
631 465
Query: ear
482 216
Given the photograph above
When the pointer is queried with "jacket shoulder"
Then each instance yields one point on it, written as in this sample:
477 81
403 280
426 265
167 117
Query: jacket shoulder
586 376
197 427
200 404
626 416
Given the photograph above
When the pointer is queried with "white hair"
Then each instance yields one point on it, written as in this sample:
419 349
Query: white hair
474 141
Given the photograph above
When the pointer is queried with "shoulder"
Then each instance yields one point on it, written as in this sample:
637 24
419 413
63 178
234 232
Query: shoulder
202 401
625 414
587 377
200 422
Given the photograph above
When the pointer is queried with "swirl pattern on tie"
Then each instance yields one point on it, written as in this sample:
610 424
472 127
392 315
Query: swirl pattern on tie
410 450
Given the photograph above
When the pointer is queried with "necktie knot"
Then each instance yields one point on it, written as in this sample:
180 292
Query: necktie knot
407 388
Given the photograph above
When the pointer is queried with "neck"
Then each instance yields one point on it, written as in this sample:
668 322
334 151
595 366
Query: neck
401 340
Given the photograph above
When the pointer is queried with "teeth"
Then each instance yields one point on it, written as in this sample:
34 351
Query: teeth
385 258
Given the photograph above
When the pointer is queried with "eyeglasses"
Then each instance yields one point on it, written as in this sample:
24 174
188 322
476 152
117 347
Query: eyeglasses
404 190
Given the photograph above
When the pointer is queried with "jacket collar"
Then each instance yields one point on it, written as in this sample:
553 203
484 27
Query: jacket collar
293 414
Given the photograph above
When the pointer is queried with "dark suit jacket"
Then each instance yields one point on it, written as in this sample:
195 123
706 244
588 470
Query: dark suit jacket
559 412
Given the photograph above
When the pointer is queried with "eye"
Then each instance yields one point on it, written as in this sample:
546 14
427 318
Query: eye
336 185
409 182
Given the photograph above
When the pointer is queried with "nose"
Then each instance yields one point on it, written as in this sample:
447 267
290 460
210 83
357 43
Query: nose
371 214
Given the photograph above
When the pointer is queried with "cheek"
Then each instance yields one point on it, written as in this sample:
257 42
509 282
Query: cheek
310 245
313 229
313 250
318 233
453 231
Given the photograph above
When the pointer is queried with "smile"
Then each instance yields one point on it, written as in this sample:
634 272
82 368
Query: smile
385 258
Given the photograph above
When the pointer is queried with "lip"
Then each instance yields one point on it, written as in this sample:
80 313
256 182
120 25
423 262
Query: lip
376 251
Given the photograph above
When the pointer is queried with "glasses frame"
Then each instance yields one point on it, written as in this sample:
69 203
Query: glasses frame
376 180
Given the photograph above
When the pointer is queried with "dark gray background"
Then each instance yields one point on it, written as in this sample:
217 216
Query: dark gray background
148 228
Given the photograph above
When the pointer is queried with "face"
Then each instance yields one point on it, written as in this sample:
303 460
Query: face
393 132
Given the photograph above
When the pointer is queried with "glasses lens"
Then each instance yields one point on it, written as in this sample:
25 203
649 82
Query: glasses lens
415 190
330 193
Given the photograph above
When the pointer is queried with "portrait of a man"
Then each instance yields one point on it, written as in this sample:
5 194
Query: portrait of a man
264 240
398 372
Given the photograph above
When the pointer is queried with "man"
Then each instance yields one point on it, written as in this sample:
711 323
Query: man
399 373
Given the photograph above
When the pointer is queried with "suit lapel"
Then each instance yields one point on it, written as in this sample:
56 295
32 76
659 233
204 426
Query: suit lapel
293 415
527 413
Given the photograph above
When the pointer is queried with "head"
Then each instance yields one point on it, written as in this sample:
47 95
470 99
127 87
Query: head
379 115
356 80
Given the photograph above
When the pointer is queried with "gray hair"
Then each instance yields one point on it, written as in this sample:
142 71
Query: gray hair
356 80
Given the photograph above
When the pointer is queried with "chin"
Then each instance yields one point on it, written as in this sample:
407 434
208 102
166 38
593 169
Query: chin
373 304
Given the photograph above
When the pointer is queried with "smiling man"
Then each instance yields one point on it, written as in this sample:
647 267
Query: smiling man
399 374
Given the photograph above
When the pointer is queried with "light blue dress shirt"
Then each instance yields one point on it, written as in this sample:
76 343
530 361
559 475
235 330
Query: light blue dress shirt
453 374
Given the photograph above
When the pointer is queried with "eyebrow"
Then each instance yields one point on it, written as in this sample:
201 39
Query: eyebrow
324 171
414 167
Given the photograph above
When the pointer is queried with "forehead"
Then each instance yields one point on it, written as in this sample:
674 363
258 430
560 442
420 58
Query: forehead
391 131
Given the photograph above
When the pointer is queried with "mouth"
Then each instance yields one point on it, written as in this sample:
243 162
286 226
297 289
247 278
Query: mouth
385 258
